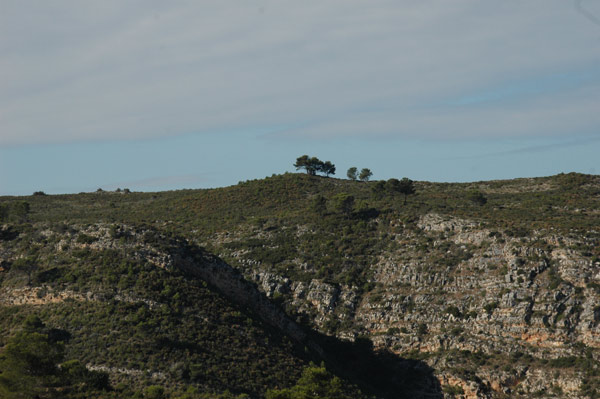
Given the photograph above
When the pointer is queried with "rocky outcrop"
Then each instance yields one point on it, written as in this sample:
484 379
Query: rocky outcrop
525 301
44 295
232 284
323 300
494 314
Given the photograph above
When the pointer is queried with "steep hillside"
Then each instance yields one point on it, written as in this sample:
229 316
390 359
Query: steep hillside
494 285
128 311
152 310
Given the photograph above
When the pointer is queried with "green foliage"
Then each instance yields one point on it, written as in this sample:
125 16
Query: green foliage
392 185
518 232
490 307
316 383
477 197
572 181
4 212
319 205
310 165
454 311
27 266
352 173
343 203
453 390
193 393
14 211
30 366
82 378
85 239
554 278
279 223
328 168
185 330
582 362
365 174
378 189
154 392
314 165
406 187
518 204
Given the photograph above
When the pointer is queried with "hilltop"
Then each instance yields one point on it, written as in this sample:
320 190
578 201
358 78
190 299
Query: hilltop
484 289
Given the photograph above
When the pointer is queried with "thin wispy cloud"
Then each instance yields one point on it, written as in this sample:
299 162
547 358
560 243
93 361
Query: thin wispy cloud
591 17
562 144
115 70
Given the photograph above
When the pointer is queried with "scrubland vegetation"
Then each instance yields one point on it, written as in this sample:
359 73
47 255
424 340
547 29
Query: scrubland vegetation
149 331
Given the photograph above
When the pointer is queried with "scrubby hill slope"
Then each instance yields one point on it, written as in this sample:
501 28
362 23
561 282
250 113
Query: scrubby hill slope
499 296
153 310
128 311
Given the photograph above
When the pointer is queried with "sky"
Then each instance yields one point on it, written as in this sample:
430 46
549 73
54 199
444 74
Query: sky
153 95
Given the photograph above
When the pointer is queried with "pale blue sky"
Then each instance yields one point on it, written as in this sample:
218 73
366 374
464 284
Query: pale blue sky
154 95
194 161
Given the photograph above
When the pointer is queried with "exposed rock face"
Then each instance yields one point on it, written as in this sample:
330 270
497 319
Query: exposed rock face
43 295
320 299
231 283
495 315
38 296
525 301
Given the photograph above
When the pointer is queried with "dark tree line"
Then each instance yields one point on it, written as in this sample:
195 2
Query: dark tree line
405 186
16 211
313 165
32 365
364 175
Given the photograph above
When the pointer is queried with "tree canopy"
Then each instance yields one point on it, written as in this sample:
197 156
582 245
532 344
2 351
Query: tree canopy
315 383
30 366
477 197
352 173
365 174
16 211
313 165
343 203
328 168
406 187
